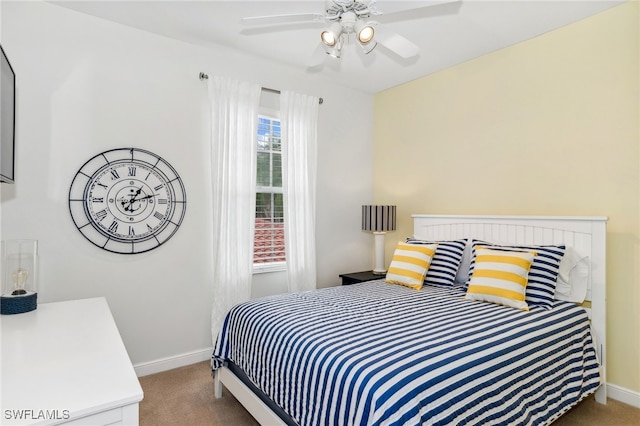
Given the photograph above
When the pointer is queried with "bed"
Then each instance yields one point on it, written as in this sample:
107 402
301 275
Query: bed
377 353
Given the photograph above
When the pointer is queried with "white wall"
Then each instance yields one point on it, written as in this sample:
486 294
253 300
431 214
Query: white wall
85 85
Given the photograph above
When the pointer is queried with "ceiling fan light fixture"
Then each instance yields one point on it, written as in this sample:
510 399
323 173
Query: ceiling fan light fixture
365 32
331 35
368 47
328 38
334 51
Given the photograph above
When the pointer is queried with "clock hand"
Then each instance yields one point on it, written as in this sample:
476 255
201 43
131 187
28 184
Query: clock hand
131 200
128 204
148 196
135 195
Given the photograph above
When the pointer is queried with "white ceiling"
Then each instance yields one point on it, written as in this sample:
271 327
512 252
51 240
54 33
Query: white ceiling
448 33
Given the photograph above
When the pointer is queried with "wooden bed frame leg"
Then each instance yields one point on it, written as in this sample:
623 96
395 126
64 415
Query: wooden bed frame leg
217 385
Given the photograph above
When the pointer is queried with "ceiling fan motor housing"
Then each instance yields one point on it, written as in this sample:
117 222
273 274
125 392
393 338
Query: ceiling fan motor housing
350 16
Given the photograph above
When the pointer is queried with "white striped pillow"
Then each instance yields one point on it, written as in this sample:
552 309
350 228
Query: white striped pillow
445 263
409 264
500 277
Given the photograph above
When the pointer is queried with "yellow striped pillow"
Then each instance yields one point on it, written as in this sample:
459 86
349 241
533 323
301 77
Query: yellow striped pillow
409 264
500 277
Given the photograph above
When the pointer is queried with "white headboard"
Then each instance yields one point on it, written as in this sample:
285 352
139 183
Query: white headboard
586 234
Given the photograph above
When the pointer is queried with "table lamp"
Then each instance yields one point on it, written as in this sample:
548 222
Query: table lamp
20 276
379 220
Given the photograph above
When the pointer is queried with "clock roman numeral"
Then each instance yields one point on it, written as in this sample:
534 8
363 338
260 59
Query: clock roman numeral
98 200
132 171
101 214
157 188
113 227
162 201
131 231
158 215
102 185
114 175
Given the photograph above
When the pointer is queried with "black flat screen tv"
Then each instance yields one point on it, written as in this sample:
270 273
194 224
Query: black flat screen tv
7 120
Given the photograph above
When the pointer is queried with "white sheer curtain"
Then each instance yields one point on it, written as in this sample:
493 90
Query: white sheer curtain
234 112
299 120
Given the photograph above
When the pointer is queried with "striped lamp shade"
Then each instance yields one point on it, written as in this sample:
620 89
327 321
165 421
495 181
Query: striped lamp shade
379 218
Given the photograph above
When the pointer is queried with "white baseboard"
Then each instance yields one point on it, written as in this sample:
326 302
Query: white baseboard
164 364
623 395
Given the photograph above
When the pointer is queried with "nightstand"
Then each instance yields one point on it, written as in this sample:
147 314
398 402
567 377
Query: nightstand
359 277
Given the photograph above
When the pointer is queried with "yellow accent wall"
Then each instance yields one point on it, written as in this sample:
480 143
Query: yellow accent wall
550 126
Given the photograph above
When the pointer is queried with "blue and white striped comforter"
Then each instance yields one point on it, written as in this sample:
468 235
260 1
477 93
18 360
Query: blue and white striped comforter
375 353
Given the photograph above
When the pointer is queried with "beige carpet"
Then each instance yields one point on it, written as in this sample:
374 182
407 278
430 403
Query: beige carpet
184 396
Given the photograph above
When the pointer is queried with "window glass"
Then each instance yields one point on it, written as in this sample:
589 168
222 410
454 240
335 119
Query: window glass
269 226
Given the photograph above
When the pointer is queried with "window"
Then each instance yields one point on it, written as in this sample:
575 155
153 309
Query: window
268 243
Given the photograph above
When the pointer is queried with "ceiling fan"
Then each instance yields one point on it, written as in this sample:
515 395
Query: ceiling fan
344 19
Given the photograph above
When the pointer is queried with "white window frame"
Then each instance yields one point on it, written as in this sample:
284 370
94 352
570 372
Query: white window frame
260 268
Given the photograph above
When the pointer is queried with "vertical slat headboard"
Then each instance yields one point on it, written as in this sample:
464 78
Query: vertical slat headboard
586 234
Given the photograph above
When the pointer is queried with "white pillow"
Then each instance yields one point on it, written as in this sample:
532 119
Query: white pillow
463 270
573 277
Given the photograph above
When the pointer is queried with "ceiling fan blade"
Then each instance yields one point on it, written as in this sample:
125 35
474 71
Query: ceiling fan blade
440 8
395 42
282 19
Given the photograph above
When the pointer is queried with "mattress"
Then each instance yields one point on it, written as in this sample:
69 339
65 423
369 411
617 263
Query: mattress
376 354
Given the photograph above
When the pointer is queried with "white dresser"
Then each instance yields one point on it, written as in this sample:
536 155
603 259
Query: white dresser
65 363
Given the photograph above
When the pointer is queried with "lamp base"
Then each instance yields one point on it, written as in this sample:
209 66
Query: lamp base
379 268
10 305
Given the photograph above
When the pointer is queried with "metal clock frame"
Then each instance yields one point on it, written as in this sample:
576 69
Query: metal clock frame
123 193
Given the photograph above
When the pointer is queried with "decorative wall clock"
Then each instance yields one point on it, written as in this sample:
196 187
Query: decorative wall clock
127 200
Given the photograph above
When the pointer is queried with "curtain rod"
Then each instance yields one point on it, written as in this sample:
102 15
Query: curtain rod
204 76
